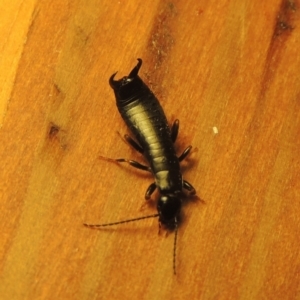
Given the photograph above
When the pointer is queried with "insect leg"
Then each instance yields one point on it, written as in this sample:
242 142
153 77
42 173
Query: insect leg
150 190
189 187
132 163
185 153
174 130
133 143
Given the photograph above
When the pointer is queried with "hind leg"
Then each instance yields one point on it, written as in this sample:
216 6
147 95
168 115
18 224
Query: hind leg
189 187
185 153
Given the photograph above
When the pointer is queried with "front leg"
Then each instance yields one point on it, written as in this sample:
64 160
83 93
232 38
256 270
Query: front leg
152 187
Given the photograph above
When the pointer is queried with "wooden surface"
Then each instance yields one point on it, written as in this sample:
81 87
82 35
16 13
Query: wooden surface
233 65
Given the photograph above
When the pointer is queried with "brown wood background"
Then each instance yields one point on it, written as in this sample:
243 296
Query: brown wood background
233 65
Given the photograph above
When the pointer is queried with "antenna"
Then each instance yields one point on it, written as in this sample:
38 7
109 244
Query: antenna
119 222
174 246
137 219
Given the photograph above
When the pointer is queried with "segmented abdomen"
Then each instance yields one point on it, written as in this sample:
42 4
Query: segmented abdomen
146 119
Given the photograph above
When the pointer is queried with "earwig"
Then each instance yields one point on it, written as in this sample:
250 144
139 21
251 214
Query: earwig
145 118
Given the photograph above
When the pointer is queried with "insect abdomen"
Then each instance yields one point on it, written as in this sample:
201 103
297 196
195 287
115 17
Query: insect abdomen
144 116
148 123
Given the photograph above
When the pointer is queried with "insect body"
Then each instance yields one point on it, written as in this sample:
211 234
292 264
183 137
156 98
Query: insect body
145 118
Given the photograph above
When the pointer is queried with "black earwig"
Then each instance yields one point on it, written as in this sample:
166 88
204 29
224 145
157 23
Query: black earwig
145 118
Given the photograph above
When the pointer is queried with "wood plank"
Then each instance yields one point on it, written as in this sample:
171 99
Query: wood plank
228 70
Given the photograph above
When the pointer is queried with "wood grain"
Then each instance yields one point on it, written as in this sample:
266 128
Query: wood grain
231 65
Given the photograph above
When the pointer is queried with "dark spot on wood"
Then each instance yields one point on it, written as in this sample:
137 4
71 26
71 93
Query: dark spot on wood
199 12
53 130
57 135
82 36
282 30
57 88
57 96
161 38
285 17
